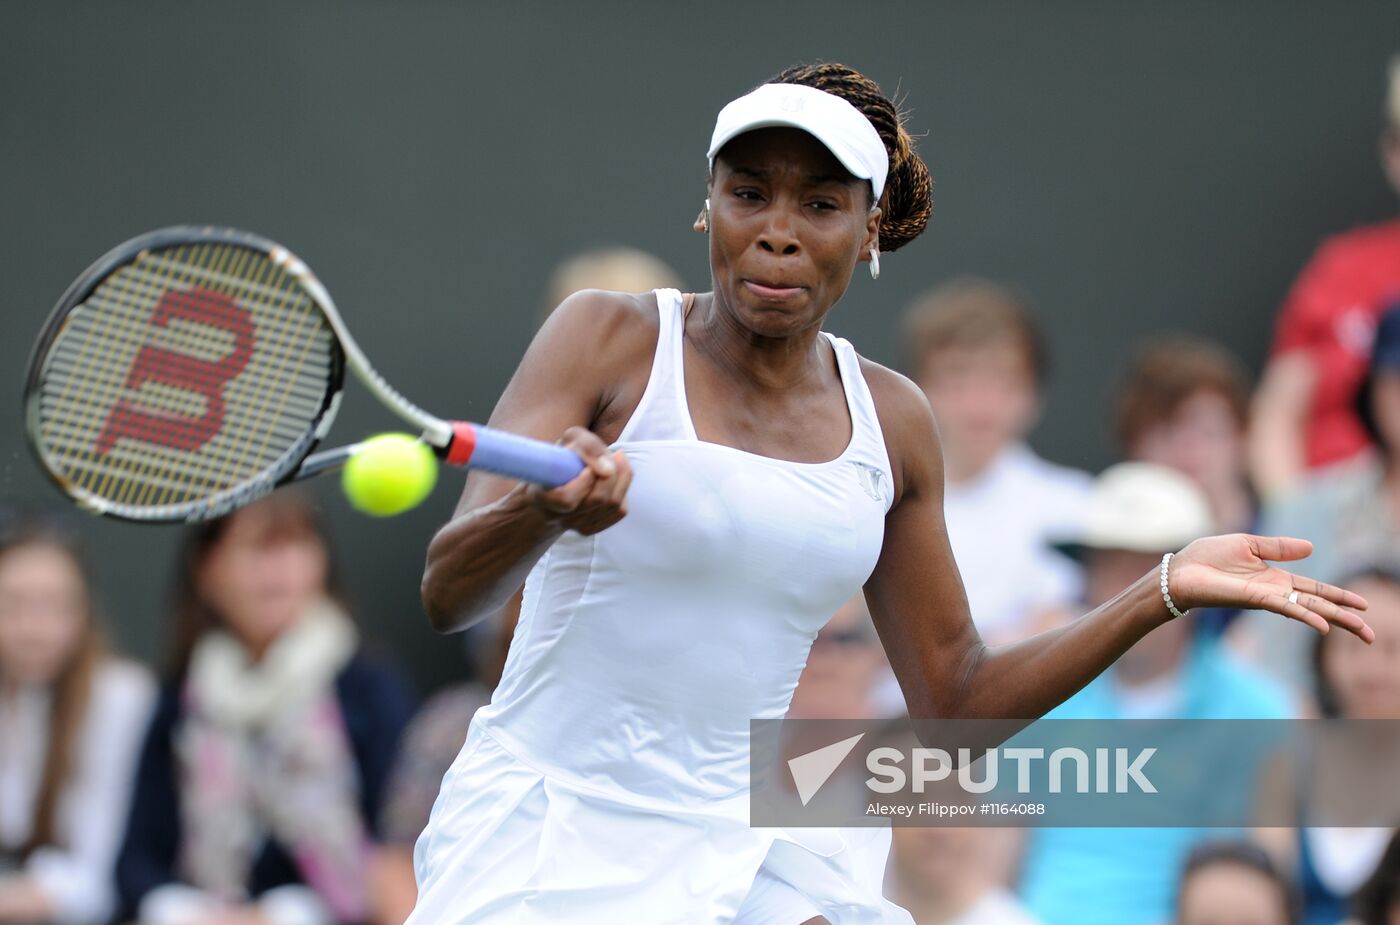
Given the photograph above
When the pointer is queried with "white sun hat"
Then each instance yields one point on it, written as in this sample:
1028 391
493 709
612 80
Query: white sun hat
1141 507
834 122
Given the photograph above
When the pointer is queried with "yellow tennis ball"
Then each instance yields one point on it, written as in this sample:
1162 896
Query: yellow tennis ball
389 474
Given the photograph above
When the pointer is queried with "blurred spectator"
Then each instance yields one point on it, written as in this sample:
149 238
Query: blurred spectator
71 721
1183 404
844 670
1353 681
264 768
978 355
1234 883
1125 876
942 875
1303 415
1378 900
1352 515
617 269
437 732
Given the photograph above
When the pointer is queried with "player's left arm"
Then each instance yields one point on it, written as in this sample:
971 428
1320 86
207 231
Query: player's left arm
920 609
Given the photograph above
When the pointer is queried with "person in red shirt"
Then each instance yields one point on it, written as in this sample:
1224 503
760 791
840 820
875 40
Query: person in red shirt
1304 415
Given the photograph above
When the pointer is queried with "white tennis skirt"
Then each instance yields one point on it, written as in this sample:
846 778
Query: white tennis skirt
509 845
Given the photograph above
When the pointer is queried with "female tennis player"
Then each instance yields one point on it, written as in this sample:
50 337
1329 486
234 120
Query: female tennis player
746 474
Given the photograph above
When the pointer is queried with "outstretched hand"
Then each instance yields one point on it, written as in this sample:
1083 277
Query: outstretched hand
1235 571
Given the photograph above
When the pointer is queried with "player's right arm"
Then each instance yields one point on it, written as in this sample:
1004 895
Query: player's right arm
579 366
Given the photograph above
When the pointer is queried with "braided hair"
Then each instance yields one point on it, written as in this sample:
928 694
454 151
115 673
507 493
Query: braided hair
908 197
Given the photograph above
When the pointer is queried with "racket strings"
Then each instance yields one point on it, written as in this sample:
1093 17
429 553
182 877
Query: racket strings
150 429
183 375
80 384
95 473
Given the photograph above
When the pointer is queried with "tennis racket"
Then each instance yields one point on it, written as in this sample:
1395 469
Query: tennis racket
195 369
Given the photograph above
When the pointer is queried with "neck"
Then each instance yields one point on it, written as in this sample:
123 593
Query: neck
767 363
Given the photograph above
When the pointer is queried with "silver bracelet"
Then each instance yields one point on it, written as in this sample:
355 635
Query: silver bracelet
1166 592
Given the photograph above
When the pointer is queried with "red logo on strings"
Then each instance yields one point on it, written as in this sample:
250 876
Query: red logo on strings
205 377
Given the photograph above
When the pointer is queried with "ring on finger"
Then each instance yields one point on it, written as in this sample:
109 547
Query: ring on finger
1293 598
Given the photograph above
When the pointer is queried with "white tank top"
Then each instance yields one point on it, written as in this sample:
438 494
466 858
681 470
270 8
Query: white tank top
643 651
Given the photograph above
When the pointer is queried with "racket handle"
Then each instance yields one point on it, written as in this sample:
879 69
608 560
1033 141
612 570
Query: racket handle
512 455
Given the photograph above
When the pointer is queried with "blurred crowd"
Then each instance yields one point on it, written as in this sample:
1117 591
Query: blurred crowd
272 772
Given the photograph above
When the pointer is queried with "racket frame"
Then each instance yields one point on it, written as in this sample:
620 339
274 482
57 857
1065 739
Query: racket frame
287 467
458 442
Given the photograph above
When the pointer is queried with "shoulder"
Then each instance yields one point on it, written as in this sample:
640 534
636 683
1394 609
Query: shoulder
1356 247
906 419
600 324
596 348
898 400
125 684
123 699
1364 241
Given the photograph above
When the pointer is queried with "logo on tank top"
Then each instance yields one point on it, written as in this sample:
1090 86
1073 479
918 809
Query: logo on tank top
872 480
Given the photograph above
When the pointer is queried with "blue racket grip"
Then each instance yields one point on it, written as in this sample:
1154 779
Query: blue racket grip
511 455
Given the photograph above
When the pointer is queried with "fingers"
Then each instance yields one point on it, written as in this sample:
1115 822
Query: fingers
1321 614
1241 558
1280 548
1331 592
595 499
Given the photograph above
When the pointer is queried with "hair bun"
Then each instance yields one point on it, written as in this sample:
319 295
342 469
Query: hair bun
908 199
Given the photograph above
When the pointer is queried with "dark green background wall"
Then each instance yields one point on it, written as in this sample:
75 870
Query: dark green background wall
1138 167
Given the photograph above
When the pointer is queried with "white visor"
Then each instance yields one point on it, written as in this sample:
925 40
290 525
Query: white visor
831 120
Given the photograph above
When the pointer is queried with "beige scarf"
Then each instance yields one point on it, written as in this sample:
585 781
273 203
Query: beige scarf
263 753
